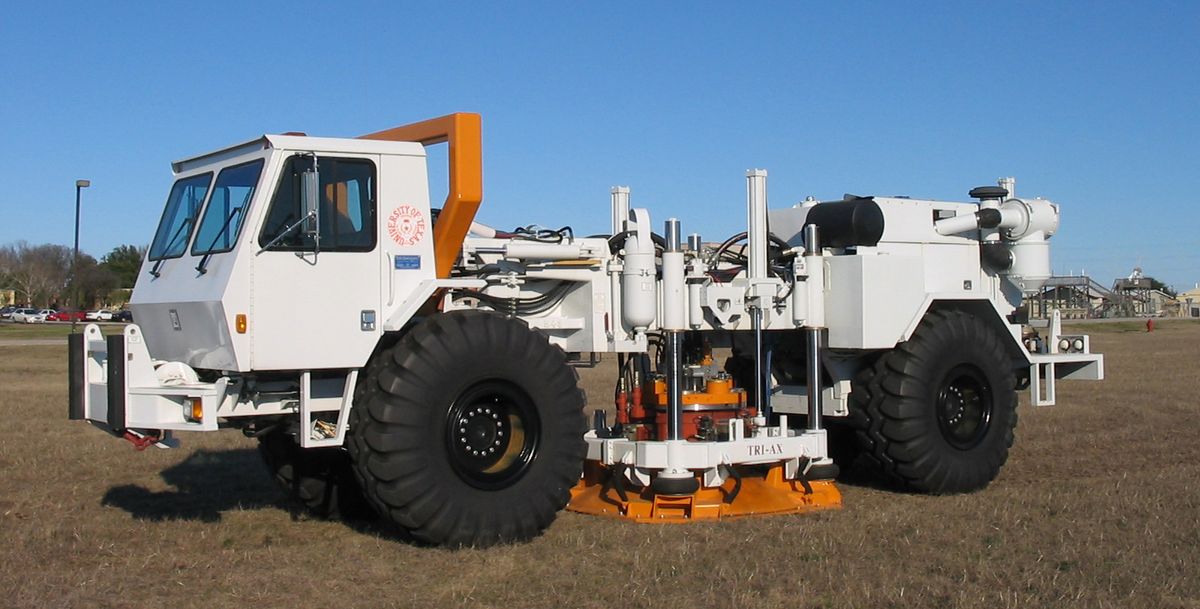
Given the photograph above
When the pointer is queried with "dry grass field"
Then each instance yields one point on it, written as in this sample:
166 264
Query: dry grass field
1099 506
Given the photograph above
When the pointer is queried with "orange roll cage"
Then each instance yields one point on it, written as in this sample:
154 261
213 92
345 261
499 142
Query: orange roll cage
462 132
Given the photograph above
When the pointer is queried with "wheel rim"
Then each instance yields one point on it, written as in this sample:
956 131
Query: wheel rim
492 433
964 407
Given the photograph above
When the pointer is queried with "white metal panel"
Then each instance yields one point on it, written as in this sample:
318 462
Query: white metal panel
299 143
345 145
405 233
306 307
872 299
188 316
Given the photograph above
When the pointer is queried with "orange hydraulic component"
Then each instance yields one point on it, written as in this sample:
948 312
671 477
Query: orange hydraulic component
637 406
718 403
462 131
716 391
760 494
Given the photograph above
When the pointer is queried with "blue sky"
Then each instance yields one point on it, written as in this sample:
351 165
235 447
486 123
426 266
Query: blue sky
1095 105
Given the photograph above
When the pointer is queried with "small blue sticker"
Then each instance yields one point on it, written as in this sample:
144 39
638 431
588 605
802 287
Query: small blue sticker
408 263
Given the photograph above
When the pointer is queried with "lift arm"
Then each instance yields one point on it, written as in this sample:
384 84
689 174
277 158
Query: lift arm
462 132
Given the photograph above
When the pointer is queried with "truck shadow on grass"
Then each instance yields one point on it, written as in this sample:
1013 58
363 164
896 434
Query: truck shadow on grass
209 483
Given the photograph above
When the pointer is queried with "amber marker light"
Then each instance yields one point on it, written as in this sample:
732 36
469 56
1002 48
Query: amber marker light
197 409
240 323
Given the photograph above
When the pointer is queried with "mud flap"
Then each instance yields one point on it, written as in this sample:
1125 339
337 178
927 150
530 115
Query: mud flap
75 382
117 389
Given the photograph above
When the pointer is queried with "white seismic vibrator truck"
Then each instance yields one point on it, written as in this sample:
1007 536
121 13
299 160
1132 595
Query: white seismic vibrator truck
401 360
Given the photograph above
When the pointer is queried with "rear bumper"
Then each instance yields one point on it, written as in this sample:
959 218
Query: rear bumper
114 384
1046 368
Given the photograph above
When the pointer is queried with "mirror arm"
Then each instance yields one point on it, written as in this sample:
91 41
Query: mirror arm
285 232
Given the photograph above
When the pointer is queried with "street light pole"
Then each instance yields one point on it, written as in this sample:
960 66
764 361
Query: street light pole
79 186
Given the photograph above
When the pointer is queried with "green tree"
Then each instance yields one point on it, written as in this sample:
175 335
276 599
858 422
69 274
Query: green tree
124 262
93 282
1158 285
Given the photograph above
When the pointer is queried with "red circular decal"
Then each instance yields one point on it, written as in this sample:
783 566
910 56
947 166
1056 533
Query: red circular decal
406 225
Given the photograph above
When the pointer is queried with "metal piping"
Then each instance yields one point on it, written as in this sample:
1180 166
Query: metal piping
674 389
813 332
756 224
620 208
760 383
673 256
814 336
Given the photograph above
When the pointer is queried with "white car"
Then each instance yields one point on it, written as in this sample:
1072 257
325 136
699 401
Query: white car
101 315
29 316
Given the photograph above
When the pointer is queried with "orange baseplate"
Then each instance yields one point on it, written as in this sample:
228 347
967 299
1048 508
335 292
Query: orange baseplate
760 494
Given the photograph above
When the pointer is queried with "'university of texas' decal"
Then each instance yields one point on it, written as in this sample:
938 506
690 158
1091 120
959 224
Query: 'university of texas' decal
406 225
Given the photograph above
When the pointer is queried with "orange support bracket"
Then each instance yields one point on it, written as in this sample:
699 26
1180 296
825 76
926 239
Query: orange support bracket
462 131
760 493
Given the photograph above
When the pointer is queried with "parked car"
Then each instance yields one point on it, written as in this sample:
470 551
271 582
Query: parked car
6 312
28 316
101 315
67 316
123 315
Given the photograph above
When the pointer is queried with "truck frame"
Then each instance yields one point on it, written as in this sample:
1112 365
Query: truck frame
399 359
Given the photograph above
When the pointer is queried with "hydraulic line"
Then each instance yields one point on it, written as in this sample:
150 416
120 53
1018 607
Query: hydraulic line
524 306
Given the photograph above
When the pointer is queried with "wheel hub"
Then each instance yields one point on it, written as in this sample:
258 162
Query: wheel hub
492 434
481 430
964 407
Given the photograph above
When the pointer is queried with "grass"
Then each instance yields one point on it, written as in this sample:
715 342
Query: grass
1097 507
21 331
1130 325
10 330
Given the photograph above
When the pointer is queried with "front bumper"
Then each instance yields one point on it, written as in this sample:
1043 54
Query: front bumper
115 385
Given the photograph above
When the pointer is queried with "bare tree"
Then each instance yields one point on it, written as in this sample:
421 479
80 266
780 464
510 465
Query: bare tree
7 262
38 273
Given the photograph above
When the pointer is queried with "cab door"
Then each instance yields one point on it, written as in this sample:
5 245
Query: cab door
316 294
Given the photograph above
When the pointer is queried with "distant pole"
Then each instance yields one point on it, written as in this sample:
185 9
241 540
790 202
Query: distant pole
79 186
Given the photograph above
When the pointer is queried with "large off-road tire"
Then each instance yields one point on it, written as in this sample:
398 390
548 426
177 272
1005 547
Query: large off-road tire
469 430
320 479
936 414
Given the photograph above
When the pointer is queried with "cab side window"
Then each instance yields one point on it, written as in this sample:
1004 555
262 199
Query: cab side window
347 206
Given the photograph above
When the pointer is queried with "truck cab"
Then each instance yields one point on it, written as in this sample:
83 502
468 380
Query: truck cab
243 275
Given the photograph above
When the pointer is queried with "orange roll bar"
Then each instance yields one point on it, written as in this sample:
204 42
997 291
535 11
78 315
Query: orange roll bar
462 131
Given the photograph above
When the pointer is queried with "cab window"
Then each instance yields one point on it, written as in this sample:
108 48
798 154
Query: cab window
227 208
179 216
346 206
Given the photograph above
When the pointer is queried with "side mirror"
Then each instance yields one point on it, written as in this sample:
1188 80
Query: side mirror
310 192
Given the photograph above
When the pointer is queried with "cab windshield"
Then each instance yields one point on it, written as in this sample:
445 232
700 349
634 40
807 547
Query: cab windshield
175 227
227 208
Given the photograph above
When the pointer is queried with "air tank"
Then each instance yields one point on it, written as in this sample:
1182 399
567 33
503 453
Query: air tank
639 281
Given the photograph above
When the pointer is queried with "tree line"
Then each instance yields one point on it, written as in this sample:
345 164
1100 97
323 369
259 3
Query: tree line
40 275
